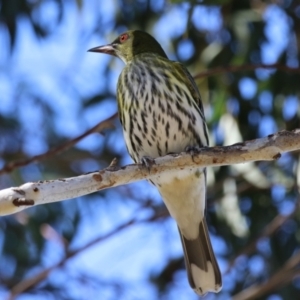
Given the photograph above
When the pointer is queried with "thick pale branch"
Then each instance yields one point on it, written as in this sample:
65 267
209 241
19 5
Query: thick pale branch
16 199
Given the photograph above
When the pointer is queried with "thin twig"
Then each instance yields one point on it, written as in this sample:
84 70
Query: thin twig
250 67
268 231
282 277
107 123
29 283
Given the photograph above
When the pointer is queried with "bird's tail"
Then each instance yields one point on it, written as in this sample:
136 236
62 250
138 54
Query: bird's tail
202 268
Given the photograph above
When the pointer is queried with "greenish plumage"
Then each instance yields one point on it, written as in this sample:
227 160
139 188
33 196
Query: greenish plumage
165 85
161 112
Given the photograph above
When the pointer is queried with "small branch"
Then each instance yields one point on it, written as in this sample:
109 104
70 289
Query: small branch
250 67
282 277
30 282
16 199
268 231
107 123
56 150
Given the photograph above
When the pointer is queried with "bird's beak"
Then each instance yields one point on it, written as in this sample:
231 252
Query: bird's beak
108 49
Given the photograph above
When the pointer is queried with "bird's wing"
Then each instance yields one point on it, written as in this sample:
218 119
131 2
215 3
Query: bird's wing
191 85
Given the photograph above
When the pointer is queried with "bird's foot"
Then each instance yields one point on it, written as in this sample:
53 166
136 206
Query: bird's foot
193 150
148 162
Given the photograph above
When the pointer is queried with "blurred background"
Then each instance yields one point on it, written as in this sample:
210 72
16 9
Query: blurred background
120 243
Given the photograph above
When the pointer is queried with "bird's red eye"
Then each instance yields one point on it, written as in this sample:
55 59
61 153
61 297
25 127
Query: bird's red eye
123 37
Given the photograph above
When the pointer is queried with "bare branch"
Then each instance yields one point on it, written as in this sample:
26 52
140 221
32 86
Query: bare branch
30 282
107 123
268 231
250 67
16 199
282 277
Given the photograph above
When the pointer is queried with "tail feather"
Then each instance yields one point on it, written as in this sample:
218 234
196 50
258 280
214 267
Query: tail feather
202 268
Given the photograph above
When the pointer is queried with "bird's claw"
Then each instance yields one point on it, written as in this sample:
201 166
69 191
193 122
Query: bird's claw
148 162
193 150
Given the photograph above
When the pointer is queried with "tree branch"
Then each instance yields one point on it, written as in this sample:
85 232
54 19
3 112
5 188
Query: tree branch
268 231
282 277
29 194
105 124
32 281
250 67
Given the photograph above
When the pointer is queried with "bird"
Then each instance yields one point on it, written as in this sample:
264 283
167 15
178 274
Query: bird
161 112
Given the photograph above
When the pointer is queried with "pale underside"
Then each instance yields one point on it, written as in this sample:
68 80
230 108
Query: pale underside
161 113
158 120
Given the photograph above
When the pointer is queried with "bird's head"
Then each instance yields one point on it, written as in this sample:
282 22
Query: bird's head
131 43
